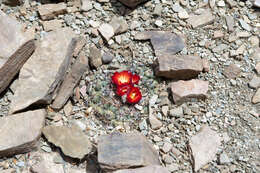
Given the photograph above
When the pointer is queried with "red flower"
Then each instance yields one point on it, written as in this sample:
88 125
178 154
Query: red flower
134 95
122 90
122 78
135 79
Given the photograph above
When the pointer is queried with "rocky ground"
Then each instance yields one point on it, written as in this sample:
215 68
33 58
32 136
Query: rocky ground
204 119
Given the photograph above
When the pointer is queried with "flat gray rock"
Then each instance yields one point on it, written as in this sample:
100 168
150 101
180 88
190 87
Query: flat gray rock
178 67
185 90
72 141
147 169
122 151
20 132
44 71
203 147
12 35
163 42
201 20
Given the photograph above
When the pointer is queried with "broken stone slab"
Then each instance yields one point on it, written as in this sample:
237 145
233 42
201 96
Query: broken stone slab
12 35
163 42
256 97
122 151
49 11
107 31
203 147
52 25
186 90
95 56
71 80
20 132
178 67
72 141
147 169
132 3
231 71
44 71
119 25
201 20
80 43
13 64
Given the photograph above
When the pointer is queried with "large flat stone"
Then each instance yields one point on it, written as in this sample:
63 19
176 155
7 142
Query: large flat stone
72 141
185 90
44 71
12 35
203 147
20 132
201 20
147 169
178 67
49 11
121 151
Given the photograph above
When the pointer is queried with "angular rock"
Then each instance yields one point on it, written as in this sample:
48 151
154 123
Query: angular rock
71 80
244 25
107 31
49 11
52 25
256 97
46 164
132 3
178 67
155 123
72 141
12 35
255 82
231 71
20 132
203 147
86 5
107 58
121 151
147 169
257 3
201 20
184 90
224 159
205 64
119 25
95 57
163 42
44 71
13 65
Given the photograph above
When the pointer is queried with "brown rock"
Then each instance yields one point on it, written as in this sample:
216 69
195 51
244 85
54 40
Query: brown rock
121 151
80 43
183 90
230 23
12 35
107 31
72 141
95 57
155 123
231 71
255 82
49 11
52 25
205 64
178 67
147 169
132 3
256 97
20 132
44 71
218 34
71 80
13 2
203 147
201 20
119 25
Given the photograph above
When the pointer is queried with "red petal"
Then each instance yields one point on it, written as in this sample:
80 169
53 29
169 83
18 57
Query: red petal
134 95
135 79
122 90
122 78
